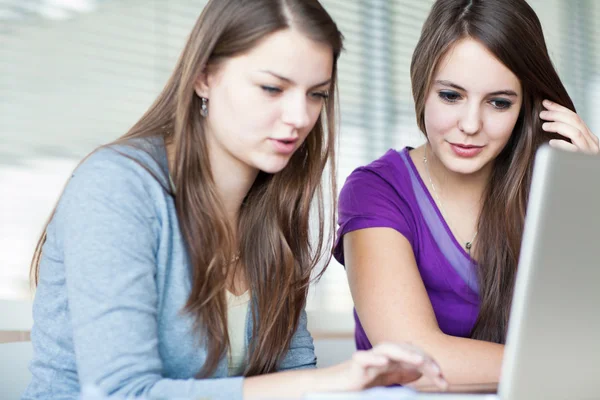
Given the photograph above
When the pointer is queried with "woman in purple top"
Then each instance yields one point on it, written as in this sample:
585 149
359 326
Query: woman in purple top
430 237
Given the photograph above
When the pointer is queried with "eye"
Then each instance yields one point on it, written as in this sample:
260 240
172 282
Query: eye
449 96
500 104
271 89
320 95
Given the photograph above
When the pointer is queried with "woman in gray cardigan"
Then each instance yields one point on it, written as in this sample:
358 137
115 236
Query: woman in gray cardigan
178 259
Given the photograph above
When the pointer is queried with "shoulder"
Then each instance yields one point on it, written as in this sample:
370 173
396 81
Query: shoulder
127 168
134 158
114 196
124 177
378 195
387 177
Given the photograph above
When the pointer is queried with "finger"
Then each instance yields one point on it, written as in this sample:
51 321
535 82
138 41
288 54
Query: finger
402 376
369 359
370 365
559 113
577 137
407 373
400 352
408 357
404 373
550 105
432 370
441 383
595 147
562 145
572 120
567 118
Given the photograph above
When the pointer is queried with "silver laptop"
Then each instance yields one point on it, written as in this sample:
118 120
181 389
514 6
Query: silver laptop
553 343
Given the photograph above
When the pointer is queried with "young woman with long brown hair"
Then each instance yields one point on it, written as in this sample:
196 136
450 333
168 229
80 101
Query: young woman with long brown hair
180 253
430 237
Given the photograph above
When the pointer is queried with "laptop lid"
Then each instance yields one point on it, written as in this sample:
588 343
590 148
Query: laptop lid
553 340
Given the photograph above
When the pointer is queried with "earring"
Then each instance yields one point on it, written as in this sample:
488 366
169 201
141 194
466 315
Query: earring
204 107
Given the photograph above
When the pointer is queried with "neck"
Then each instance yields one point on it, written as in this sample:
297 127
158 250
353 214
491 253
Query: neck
467 189
233 180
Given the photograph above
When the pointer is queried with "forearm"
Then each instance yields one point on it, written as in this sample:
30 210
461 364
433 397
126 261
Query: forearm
394 305
291 384
463 361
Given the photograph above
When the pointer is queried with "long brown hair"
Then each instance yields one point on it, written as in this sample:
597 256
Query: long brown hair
511 31
276 252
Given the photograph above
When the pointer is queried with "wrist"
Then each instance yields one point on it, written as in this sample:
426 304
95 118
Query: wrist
335 379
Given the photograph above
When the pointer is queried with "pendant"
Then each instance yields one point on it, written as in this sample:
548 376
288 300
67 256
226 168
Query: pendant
468 245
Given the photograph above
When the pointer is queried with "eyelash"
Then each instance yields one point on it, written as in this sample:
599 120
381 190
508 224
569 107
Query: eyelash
453 97
271 89
505 104
323 95
275 90
445 96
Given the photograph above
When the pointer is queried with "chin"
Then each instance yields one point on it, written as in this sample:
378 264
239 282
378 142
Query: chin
467 168
466 171
272 167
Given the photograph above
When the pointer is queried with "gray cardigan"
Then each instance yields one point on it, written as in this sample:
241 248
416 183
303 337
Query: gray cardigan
114 277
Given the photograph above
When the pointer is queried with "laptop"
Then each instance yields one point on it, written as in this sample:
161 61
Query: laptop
553 342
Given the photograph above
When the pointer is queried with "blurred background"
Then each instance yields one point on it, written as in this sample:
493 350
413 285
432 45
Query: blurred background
75 74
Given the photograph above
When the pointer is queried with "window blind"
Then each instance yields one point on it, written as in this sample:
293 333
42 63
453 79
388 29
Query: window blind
78 73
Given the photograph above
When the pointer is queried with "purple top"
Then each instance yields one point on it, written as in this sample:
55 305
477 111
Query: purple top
390 193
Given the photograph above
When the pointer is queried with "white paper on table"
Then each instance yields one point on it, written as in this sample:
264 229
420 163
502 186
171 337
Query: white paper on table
379 393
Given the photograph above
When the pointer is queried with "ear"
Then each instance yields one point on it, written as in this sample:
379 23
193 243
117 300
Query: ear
201 85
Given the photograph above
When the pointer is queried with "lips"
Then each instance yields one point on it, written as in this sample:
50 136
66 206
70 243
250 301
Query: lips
287 141
284 145
466 150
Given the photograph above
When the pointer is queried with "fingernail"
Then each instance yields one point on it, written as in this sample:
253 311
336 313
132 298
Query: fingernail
543 114
547 102
434 369
442 383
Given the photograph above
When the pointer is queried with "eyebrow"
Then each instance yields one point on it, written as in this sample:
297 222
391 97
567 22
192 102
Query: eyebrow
288 80
496 93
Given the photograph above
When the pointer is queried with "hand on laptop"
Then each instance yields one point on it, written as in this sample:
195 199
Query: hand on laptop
387 364
567 123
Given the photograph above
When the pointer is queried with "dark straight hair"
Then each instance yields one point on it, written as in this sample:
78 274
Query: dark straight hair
275 248
512 32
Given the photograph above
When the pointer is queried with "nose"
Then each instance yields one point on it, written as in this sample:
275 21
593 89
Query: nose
296 111
470 120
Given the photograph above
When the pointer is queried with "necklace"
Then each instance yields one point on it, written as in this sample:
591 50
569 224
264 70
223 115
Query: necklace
469 244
